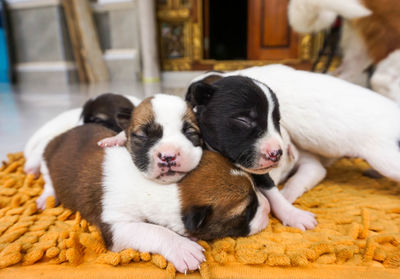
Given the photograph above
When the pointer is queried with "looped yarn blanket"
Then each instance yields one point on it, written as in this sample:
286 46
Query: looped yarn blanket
358 225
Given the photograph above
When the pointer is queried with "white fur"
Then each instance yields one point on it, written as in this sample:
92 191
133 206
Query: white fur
386 78
48 187
168 112
139 199
308 169
260 219
236 172
271 132
308 174
184 253
287 161
330 118
334 118
36 144
34 149
316 15
307 16
355 56
287 213
142 200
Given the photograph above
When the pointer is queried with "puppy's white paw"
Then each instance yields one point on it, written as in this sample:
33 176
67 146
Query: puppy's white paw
112 141
41 200
185 254
298 218
35 171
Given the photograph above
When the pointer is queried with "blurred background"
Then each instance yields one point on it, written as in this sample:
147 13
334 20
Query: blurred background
55 54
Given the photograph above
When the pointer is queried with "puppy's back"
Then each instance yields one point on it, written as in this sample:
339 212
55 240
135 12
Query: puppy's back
74 162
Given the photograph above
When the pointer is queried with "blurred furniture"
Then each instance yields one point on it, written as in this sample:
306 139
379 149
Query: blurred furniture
43 51
85 43
227 35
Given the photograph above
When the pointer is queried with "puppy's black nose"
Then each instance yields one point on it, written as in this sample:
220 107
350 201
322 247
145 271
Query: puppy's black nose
275 155
167 158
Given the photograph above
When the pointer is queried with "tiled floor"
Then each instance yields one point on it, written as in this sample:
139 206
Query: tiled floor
24 108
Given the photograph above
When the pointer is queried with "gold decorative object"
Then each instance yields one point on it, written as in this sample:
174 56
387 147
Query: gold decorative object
189 13
173 15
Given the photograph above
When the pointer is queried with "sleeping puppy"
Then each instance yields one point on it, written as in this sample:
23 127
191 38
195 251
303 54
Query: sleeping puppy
112 188
108 109
240 118
325 116
164 137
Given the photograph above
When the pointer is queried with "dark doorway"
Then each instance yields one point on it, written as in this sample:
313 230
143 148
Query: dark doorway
225 29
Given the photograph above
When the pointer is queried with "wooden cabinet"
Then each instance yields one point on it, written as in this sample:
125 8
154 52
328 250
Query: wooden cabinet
269 36
184 35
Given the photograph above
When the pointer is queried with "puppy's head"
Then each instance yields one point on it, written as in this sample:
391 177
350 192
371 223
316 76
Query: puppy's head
164 139
110 110
220 200
239 117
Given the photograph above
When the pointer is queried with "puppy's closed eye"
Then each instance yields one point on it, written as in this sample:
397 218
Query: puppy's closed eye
139 135
192 134
150 130
244 121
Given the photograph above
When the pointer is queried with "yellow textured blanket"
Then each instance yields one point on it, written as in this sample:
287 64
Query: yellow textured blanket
358 236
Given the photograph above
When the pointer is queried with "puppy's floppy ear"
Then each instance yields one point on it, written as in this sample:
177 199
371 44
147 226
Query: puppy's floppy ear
199 93
123 117
195 217
86 110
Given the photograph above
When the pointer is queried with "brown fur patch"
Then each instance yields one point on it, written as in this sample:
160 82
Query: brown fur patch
212 78
142 114
381 30
190 118
212 184
75 164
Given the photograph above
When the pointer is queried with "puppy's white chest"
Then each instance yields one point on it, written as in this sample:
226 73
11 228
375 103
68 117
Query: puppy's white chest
130 197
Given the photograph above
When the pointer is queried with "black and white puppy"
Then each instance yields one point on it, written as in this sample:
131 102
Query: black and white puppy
240 118
123 190
327 117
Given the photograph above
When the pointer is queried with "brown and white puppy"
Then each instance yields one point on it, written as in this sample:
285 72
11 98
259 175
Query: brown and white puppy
110 110
163 139
111 191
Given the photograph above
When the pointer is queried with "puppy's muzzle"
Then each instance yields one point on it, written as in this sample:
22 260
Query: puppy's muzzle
167 160
274 155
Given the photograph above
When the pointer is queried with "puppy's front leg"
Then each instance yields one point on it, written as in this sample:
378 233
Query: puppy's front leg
308 174
184 253
282 209
118 140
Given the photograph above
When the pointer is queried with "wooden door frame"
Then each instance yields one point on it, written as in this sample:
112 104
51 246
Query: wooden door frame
192 18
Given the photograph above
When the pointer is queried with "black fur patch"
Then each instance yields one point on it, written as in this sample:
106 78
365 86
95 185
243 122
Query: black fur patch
276 113
109 110
233 118
191 134
236 226
107 234
196 217
141 142
263 181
